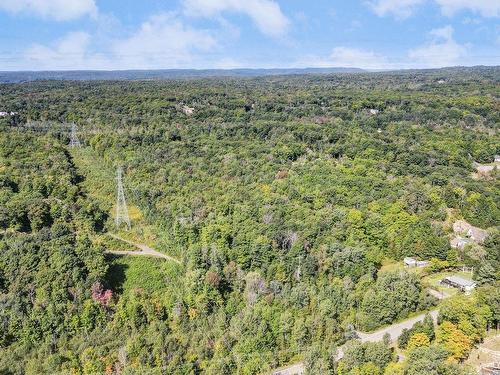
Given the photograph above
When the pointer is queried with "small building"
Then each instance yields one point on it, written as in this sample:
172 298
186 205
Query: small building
486 169
5 114
412 262
458 282
373 111
187 110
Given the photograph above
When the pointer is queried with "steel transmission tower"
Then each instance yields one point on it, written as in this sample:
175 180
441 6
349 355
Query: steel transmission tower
121 204
74 141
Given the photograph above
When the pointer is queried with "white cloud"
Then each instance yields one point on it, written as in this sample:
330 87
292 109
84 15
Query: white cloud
400 9
405 8
486 8
163 41
70 52
353 57
441 51
60 10
347 57
266 14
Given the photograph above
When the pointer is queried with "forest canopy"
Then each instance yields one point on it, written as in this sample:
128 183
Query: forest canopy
283 198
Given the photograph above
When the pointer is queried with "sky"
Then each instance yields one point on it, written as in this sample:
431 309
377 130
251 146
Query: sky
207 34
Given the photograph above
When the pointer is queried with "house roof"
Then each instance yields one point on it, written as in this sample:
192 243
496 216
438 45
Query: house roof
461 226
464 228
460 281
477 234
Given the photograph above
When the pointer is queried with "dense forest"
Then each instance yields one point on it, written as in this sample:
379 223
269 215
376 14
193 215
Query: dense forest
290 202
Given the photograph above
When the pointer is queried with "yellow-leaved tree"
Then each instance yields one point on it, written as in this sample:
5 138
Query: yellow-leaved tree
418 340
457 343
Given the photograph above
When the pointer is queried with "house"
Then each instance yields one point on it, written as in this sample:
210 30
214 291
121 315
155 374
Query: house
477 234
464 229
460 242
373 111
484 169
5 114
411 262
187 110
458 282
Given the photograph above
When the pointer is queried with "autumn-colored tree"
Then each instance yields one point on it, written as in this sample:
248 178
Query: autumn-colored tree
453 340
418 340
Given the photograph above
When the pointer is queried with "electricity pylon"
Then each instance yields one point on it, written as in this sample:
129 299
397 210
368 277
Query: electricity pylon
74 141
121 204
298 271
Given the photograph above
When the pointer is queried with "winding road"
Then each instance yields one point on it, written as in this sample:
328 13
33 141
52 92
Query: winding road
144 250
394 331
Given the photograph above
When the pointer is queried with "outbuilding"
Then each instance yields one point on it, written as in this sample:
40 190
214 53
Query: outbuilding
412 262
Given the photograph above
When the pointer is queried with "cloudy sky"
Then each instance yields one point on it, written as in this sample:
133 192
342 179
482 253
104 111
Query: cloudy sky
150 34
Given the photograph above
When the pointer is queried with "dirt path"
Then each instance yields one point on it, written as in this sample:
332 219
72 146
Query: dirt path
144 250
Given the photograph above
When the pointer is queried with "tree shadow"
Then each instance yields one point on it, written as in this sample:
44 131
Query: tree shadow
115 276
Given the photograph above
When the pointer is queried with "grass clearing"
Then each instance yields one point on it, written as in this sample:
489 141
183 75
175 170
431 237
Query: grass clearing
114 244
126 273
390 265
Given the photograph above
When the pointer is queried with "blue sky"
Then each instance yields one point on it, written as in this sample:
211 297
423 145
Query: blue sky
151 34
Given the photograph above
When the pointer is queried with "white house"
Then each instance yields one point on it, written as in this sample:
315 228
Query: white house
458 282
187 110
5 114
464 229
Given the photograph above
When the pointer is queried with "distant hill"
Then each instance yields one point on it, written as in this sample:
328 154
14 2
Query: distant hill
124 75
80 75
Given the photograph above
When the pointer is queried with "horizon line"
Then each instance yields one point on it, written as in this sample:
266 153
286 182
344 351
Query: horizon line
366 70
